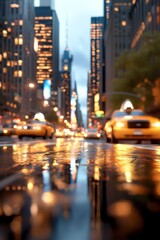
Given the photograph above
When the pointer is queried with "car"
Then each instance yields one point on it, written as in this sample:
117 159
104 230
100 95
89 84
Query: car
6 130
128 123
35 128
92 133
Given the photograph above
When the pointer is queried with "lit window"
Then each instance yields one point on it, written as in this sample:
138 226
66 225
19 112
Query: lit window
116 9
20 22
124 23
16 41
4 33
5 54
35 44
15 73
20 41
20 62
19 73
14 5
4 70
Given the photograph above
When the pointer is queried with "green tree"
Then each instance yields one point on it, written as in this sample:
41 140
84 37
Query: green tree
138 70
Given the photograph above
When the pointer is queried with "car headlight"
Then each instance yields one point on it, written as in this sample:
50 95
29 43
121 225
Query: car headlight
119 124
155 124
5 131
19 127
98 134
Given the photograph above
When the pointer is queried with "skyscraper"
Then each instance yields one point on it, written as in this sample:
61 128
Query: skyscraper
65 85
47 34
97 49
117 39
17 56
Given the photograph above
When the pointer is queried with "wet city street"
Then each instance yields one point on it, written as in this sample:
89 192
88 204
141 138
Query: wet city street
74 189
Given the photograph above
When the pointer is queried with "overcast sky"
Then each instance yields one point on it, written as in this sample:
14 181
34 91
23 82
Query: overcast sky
75 15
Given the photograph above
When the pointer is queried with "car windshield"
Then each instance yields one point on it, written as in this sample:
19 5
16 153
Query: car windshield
133 113
36 122
91 130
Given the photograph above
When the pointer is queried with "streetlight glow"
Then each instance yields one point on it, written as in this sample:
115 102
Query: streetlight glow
55 109
31 85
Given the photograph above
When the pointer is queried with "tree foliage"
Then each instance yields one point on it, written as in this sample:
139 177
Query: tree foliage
138 69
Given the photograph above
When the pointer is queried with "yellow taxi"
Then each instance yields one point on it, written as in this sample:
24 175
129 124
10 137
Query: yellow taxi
36 127
128 123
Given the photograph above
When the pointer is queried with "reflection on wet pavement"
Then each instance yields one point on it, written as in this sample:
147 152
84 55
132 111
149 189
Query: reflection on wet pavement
75 189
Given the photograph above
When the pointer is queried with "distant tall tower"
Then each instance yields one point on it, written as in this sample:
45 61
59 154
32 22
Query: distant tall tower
76 114
106 9
65 81
65 84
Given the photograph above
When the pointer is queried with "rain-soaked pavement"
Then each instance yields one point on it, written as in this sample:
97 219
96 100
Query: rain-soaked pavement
73 189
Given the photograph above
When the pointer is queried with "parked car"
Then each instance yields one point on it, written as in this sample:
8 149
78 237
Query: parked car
92 133
35 128
128 123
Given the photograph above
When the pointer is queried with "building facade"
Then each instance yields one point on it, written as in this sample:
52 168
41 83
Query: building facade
17 57
117 39
144 16
47 34
76 114
90 103
64 103
97 61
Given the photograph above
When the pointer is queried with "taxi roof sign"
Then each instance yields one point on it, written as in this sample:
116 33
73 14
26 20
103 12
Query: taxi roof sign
39 116
127 104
